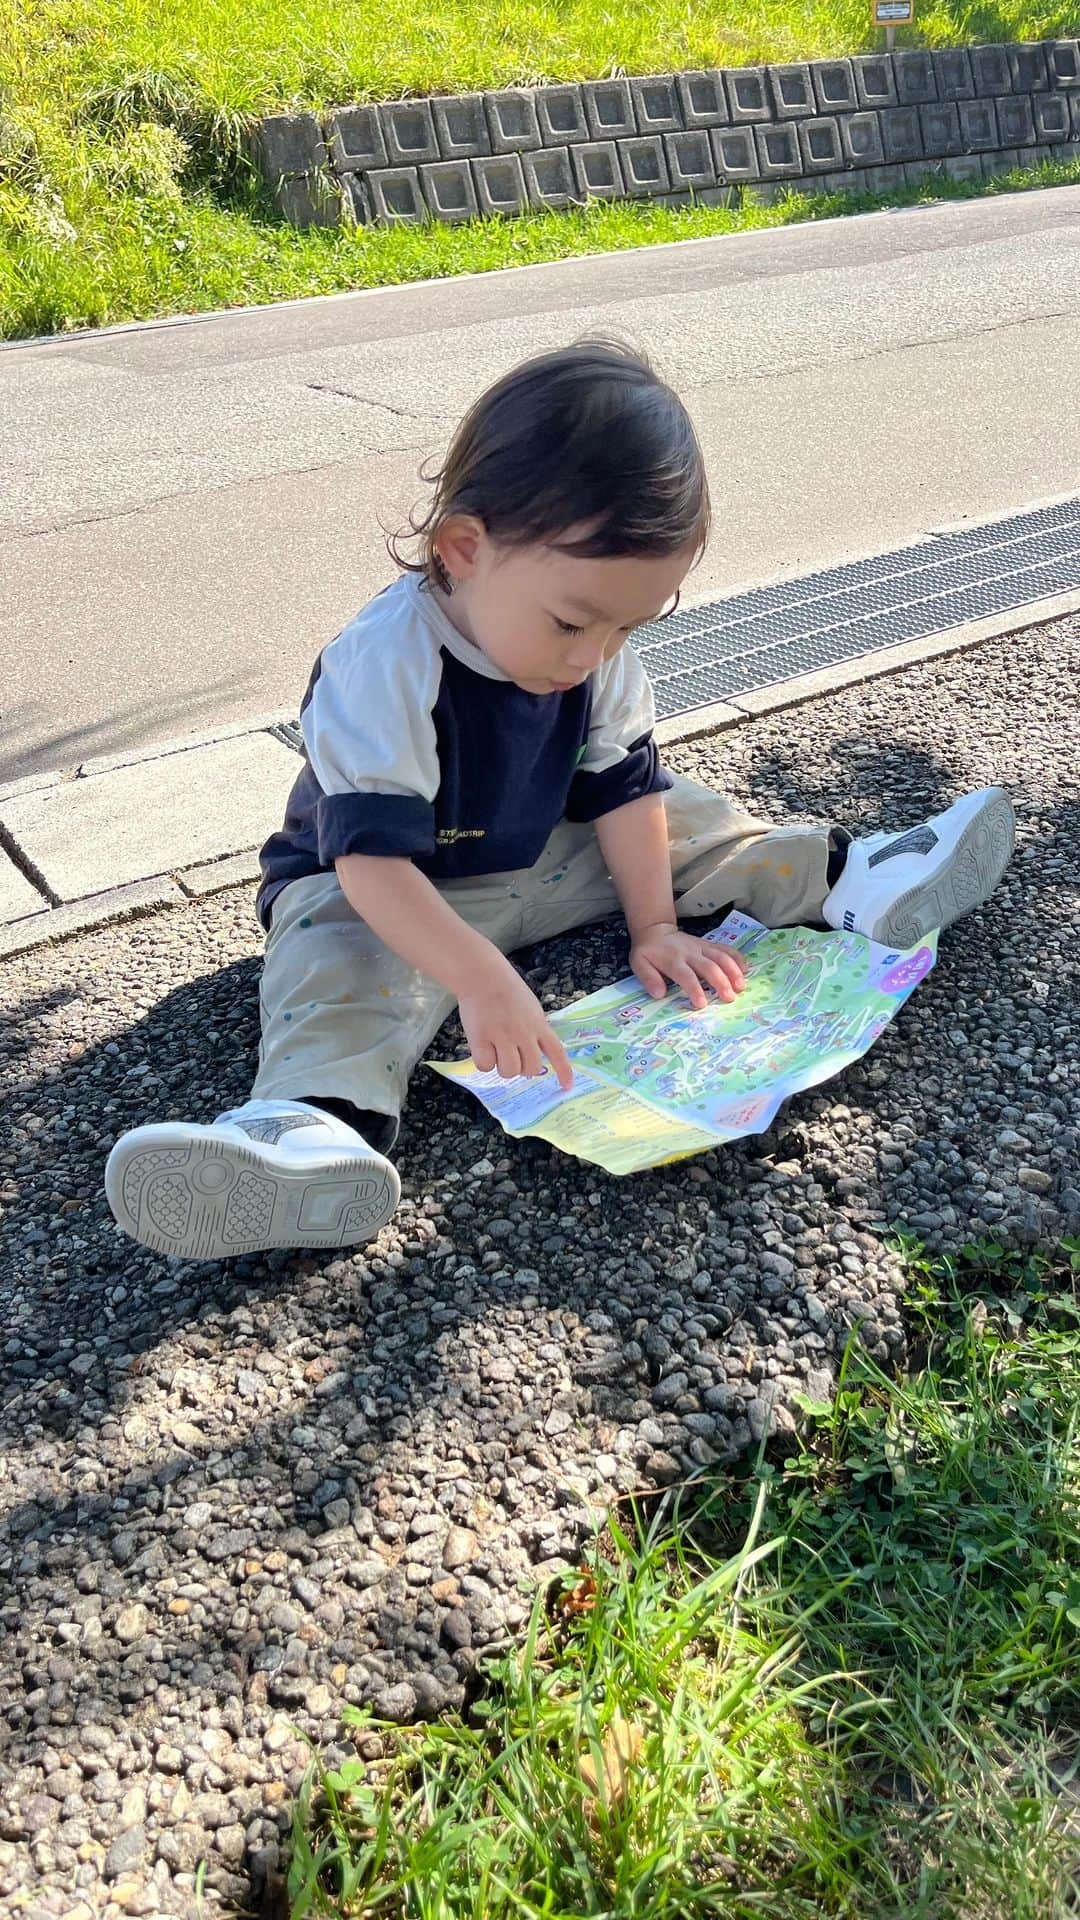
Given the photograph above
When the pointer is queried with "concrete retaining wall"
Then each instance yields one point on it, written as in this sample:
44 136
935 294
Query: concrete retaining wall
864 124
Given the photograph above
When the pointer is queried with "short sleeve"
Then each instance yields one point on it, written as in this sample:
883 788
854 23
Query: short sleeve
370 738
620 762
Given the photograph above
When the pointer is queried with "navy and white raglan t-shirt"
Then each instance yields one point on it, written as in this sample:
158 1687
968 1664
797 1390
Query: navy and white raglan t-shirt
416 745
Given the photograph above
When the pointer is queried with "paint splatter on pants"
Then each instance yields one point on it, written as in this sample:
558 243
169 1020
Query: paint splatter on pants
344 1018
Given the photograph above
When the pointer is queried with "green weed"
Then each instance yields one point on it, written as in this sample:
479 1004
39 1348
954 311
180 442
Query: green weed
840 1681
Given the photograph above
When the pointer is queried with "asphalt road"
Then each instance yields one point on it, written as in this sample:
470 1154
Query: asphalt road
189 509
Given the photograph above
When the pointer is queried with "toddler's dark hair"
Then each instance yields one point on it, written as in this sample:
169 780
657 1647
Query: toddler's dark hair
585 437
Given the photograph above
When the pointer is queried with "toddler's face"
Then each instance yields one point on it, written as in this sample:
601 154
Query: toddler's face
546 617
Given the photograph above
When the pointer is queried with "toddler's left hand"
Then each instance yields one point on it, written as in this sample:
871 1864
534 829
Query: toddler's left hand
662 953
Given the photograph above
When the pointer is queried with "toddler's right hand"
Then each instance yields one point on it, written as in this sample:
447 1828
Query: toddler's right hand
506 1027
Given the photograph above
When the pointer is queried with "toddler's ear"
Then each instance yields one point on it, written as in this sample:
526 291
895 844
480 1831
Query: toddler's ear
458 542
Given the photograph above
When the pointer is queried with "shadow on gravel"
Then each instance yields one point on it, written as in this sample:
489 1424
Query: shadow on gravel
266 1487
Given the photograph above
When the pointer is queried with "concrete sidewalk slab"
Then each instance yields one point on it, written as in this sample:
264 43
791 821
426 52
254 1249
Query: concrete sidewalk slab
154 816
17 897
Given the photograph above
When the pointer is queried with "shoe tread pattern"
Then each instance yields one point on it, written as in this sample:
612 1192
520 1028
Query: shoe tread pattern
982 853
167 1198
371 1205
250 1208
150 1161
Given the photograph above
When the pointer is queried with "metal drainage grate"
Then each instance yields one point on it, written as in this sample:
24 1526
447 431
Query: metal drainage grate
774 633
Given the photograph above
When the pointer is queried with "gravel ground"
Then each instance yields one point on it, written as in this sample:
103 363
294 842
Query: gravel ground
236 1497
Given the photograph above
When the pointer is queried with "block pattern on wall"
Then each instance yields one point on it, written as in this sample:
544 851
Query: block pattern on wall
863 122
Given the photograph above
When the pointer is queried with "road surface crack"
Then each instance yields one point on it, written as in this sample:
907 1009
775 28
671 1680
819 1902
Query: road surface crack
342 393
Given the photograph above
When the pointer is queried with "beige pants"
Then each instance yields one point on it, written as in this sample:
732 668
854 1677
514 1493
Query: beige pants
343 1017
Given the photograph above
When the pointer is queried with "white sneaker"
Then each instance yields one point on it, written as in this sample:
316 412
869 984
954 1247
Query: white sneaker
898 887
272 1173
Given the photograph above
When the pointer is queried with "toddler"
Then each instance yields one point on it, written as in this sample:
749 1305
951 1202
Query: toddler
480 773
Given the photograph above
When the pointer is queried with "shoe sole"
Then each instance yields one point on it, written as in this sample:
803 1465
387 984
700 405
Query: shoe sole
185 1190
967 878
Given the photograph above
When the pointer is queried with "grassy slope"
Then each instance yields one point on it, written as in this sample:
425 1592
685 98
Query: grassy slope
121 192
246 59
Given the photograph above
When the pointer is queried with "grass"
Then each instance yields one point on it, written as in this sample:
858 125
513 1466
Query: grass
837 1683
123 188
159 251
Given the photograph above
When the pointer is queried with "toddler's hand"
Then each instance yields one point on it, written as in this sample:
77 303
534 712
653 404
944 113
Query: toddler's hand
663 953
507 1029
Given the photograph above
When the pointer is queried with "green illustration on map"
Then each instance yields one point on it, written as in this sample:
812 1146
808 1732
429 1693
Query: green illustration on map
655 1079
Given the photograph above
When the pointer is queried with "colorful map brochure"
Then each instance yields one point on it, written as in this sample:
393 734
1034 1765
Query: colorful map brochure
654 1080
